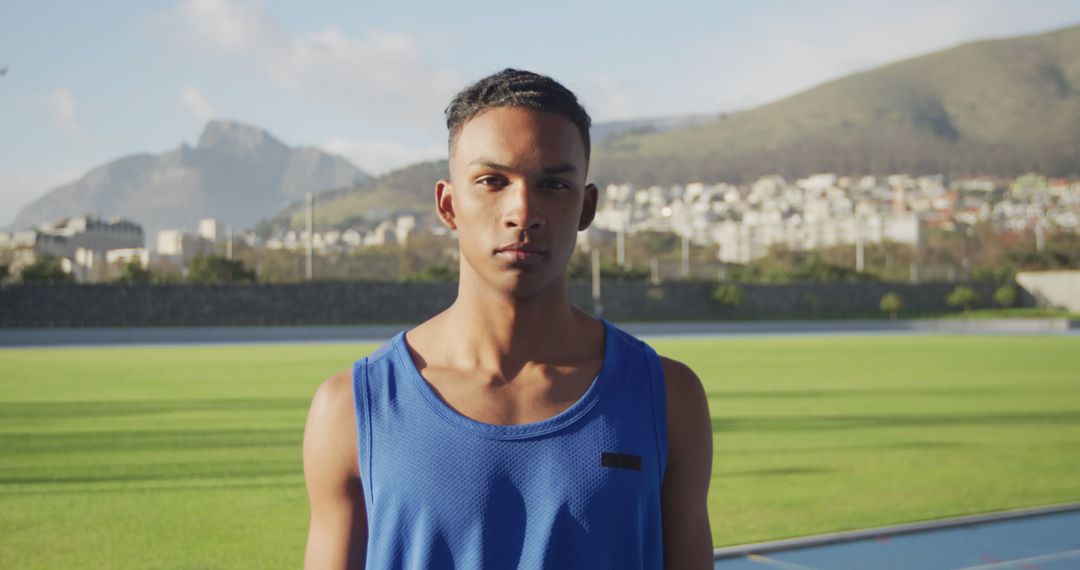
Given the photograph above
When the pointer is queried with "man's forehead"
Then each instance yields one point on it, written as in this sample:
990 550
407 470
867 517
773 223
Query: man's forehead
556 167
506 130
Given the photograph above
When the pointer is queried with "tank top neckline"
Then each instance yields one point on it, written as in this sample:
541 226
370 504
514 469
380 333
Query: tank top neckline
513 431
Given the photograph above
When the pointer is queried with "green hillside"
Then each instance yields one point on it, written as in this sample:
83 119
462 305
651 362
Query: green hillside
408 189
999 107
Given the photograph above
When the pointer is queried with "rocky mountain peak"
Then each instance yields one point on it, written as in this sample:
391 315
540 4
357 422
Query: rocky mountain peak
238 138
237 174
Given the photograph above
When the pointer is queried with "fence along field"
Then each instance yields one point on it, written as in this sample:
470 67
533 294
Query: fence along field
189 457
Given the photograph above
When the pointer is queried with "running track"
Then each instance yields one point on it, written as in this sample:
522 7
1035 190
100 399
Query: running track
1045 538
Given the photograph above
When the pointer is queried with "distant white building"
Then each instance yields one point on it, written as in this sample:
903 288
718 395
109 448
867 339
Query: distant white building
403 227
745 241
352 237
181 247
210 230
125 256
63 237
82 243
382 234
391 231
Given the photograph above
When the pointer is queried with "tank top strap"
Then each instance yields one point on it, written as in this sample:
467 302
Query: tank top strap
657 390
659 399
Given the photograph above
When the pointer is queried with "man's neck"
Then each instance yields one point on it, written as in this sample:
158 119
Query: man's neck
489 330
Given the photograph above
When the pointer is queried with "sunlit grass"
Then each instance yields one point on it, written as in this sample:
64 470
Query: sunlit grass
189 457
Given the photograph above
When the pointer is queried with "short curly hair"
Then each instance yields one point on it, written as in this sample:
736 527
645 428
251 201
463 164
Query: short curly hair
517 88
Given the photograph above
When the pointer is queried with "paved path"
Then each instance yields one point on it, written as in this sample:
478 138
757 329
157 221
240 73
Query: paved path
1029 539
377 333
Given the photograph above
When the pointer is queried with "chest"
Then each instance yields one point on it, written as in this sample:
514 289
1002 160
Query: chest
557 499
594 465
534 394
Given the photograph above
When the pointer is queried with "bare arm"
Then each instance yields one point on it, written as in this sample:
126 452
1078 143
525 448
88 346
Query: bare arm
337 537
684 496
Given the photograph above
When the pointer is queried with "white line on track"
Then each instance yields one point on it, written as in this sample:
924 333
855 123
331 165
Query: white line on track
893 530
777 563
1024 561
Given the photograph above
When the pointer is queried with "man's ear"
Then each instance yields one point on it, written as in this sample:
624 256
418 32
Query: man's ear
588 207
444 203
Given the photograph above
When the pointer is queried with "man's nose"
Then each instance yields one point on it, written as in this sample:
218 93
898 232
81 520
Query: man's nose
522 210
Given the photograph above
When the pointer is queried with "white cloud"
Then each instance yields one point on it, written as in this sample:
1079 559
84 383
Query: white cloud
380 76
197 104
763 53
376 157
63 107
609 100
780 52
224 26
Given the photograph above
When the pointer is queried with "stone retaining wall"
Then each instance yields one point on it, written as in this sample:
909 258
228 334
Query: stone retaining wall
43 305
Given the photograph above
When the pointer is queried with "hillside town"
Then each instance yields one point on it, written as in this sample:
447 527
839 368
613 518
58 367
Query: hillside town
739 222
823 210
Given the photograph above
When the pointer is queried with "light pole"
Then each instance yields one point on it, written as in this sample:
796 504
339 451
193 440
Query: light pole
685 257
620 246
858 246
310 235
598 309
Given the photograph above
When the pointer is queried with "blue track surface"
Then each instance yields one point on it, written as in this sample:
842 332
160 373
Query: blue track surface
1042 542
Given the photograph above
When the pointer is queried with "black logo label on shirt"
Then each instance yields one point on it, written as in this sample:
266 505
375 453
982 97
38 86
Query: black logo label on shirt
620 461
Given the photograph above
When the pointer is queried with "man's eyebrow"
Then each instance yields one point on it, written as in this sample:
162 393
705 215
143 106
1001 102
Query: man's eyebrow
564 168
488 164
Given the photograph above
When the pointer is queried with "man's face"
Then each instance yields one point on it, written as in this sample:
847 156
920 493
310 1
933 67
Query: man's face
517 197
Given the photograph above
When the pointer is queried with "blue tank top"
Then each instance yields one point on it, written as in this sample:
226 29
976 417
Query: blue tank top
578 490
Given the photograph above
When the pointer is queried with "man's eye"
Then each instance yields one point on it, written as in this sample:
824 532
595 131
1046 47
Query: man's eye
556 185
490 181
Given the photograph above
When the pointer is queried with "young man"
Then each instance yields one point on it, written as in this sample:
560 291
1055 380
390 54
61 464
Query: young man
512 430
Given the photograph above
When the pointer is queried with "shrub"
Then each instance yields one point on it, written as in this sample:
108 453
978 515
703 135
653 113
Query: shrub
729 295
581 269
962 296
218 269
46 268
434 273
892 303
133 272
1005 296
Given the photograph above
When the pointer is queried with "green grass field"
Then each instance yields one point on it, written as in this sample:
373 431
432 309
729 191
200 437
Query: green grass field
189 457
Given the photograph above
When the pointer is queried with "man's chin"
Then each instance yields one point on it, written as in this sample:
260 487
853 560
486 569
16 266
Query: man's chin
527 286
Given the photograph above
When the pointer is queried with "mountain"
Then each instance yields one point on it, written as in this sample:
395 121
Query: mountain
236 173
412 188
997 107
601 132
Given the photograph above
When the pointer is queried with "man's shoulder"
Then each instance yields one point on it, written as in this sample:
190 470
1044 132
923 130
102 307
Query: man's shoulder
680 377
687 405
333 394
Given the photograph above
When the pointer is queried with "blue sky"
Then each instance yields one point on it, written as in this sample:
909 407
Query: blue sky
88 82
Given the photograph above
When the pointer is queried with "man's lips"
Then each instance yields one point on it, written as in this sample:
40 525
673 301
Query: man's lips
522 247
521 251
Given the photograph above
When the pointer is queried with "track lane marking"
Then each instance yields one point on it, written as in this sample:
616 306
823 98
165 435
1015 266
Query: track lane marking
1014 563
777 563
